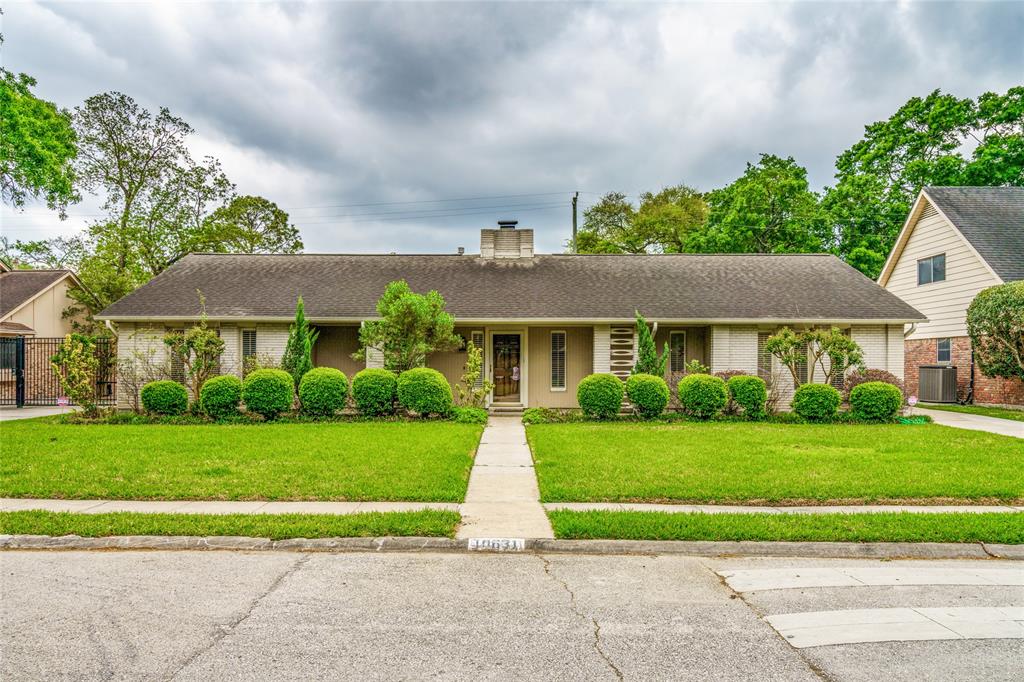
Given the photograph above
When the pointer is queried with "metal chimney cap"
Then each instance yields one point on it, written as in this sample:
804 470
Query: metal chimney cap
508 224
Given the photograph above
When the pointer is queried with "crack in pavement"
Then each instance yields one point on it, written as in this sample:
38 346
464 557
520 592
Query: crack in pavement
574 607
223 631
811 665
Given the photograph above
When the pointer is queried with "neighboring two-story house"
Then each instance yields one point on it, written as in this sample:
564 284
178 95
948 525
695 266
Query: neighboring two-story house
956 242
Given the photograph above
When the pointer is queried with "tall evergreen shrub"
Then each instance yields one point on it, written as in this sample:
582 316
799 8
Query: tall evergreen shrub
298 353
647 359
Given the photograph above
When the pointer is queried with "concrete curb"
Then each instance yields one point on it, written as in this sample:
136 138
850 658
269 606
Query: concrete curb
825 550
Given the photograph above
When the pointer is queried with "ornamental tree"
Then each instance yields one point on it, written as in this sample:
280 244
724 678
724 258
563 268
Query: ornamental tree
198 349
410 328
647 359
75 365
841 351
298 352
995 323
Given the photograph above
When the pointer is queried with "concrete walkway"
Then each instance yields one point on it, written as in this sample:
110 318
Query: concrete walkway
975 422
11 413
503 500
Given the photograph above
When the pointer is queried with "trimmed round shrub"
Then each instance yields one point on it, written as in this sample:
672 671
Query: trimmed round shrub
648 393
875 401
268 392
220 396
816 402
424 391
600 395
702 395
374 391
164 397
469 415
749 393
854 379
323 391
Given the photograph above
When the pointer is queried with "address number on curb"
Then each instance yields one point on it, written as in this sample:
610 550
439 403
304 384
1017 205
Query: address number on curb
497 544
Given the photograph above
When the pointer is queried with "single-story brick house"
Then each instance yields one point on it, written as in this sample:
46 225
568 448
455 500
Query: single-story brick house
956 242
544 321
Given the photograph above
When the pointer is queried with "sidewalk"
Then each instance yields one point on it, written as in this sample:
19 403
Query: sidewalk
975 422
503 500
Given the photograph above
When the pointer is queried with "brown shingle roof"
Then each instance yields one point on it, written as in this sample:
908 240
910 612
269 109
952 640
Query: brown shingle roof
665 287
19 286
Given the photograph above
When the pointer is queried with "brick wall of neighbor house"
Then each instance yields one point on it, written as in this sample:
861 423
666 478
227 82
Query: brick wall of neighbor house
987 390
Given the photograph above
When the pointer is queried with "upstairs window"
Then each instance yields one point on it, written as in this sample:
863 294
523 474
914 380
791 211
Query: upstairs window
557 361
931 269
945 351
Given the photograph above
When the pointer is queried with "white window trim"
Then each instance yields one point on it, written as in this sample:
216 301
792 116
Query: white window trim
944 362
241 342
932 265
679 332
565 361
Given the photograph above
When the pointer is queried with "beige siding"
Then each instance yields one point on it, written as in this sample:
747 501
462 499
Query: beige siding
44 313
334 348
943 303
579 362
453 363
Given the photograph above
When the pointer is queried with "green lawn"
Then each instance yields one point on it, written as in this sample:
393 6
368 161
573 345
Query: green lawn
999 412
426 462
774 463
1005 528
425 523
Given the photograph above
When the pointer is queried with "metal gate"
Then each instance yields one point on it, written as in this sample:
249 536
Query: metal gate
26 377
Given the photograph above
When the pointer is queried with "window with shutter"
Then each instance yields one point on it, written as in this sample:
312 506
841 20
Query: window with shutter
248 343
764 358
677 351
558 361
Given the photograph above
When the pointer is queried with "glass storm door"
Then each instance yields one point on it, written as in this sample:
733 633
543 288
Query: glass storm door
506 367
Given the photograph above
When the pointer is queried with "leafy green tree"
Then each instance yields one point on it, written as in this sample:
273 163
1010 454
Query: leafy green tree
37 147
298 352
472 392
662 223
647 359
769 209
841 351
75 364
251 224
939 139
199 349
791 350
410 328
995 323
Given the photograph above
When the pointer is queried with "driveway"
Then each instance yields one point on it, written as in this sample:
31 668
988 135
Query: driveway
976 422
9 413
369 616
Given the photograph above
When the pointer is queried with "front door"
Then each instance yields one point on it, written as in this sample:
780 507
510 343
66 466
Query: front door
506 367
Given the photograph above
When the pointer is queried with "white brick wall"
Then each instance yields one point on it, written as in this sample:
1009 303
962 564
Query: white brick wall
271 340
230 360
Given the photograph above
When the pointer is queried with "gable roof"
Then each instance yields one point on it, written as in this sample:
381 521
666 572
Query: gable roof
18 287
991 219
545 287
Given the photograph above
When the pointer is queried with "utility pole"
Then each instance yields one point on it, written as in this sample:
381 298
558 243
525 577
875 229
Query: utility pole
575 198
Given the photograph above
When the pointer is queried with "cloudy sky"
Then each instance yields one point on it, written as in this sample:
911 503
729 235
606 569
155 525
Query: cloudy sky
407 127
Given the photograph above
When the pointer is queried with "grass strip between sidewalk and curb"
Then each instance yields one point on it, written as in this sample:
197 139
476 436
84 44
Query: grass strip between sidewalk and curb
424 523
1002 528
997 412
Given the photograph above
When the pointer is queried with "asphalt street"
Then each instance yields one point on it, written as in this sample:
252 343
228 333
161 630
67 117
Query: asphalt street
392 616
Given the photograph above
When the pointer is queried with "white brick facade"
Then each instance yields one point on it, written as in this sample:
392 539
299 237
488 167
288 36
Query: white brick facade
733 348
882 346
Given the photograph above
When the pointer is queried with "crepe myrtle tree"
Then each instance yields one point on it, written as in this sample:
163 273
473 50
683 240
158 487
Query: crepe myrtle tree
995 323
812 348
198 349
410 328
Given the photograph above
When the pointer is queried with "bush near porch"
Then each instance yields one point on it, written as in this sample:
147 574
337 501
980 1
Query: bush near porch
414 461
752 463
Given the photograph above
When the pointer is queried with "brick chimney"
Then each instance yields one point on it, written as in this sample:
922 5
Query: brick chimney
506 242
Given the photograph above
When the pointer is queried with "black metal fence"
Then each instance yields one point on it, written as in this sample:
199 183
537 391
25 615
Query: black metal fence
26 377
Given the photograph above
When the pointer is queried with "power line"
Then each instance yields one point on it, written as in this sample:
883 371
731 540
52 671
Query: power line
426 201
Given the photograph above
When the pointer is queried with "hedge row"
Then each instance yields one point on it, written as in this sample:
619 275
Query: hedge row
322 392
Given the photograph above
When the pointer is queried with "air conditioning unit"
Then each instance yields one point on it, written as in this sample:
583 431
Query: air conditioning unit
937 383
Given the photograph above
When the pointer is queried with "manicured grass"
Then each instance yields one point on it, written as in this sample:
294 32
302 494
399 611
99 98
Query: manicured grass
998 412
1005 528
747 463
425 523
427 461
